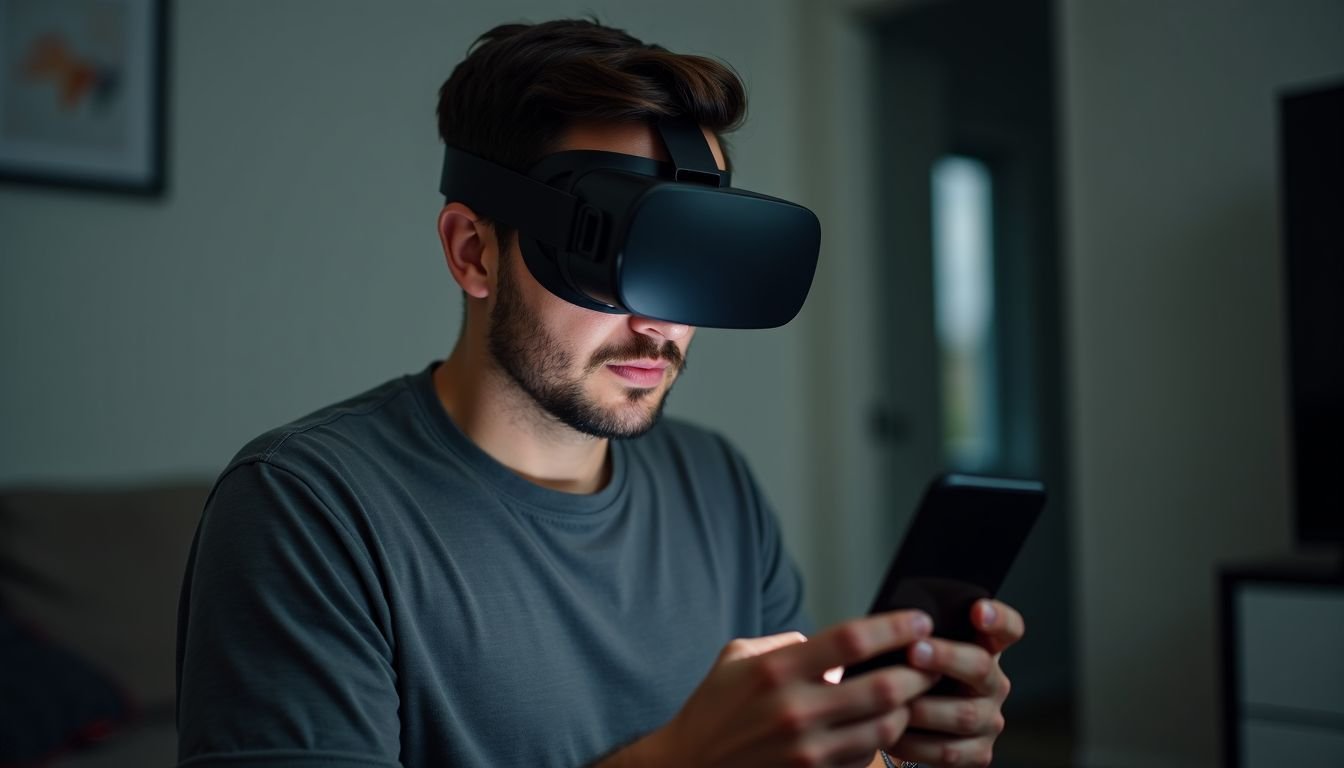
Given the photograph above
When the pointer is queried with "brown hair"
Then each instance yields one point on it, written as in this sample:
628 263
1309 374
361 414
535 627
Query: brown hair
522 86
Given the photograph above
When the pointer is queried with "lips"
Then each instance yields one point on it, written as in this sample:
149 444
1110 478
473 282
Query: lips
640 373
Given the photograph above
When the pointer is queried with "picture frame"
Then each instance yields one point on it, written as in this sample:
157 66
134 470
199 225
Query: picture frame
82 94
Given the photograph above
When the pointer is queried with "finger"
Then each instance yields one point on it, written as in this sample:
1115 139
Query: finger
857 743
857 640
944 752
874 694
746 647
969 664
999 625
957 715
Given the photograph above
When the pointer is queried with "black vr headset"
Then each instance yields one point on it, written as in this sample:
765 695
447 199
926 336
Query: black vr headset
627 234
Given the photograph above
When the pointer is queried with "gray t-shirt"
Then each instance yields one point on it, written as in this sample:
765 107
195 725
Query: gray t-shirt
369 588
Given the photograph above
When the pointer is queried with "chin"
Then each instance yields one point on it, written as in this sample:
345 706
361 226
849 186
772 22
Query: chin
639 414
641 420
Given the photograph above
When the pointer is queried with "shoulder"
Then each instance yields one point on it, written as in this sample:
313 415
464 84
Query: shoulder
317 470
336 434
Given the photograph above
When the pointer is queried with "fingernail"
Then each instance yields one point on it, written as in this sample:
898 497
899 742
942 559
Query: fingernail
921 624
921 653
988 614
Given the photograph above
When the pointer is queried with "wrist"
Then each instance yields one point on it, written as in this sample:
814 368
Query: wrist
650 751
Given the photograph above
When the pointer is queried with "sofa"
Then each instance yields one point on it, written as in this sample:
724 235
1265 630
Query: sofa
89 584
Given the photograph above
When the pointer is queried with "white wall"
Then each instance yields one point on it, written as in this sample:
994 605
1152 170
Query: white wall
293 260
1174 313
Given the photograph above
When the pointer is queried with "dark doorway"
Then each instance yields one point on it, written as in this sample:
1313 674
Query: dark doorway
968 146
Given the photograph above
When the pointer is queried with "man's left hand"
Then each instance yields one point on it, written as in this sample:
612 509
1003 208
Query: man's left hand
964 727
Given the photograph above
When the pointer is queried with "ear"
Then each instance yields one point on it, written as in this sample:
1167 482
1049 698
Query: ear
467 250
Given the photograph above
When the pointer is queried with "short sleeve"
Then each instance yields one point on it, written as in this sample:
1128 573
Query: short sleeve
283 655
781 582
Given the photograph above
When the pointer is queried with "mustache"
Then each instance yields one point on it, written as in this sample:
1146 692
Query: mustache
642 347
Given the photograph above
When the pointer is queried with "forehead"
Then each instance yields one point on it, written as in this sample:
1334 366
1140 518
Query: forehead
632 138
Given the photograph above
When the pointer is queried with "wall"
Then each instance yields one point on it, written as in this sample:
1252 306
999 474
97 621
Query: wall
1176 340
294 259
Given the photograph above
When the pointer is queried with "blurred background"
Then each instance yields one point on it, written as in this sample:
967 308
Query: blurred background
1052 248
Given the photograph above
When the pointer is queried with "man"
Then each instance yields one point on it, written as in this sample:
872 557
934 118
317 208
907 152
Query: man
507 559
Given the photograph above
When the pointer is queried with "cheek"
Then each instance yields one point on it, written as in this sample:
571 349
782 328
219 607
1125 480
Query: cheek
560 318
684 343
581 331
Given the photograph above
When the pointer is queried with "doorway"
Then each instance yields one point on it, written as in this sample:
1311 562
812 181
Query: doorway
966 145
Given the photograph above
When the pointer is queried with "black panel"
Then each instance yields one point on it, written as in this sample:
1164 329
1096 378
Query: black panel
1312 156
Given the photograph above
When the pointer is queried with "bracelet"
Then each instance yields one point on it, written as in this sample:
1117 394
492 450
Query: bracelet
887 760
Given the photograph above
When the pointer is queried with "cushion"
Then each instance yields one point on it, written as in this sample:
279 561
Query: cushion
98 572
52 700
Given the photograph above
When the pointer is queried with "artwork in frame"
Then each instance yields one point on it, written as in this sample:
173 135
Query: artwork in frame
81 93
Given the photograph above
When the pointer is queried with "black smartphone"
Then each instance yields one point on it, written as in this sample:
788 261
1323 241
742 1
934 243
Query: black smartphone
958 549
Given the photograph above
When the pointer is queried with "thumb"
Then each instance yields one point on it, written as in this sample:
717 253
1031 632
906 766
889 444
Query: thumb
746 647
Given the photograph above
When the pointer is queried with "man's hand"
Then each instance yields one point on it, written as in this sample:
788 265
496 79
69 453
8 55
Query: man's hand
765 702
960 730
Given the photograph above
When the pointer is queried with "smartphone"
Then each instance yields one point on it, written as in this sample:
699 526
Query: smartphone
958 549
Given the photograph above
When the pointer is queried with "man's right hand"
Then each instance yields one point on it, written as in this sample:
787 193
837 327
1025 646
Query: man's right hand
765 701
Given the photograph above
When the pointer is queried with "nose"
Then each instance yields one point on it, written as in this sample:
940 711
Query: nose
659 329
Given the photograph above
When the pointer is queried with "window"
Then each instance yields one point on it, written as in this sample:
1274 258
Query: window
963 275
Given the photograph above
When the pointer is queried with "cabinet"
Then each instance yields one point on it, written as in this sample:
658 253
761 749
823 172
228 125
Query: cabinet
1282 637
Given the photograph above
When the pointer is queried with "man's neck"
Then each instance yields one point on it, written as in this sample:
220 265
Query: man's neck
505 422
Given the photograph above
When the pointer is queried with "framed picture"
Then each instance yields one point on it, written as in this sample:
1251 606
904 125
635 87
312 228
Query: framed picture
81 93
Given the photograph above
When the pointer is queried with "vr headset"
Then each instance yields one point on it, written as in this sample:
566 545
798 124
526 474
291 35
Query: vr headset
667 240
